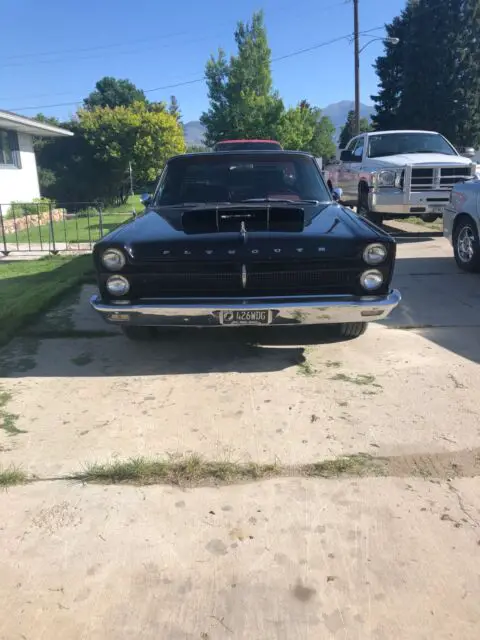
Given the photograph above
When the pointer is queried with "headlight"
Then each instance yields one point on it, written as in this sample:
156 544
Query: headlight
385 178
118 285
113 260
375 254
371 280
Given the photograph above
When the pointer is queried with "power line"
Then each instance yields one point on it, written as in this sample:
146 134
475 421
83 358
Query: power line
116 45
313 48
202 78
71 104
129 52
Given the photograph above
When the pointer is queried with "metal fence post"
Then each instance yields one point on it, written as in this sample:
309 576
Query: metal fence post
100 219
52 232
5 250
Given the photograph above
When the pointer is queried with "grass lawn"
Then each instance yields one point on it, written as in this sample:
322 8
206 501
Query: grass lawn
437 225
28 288
78 230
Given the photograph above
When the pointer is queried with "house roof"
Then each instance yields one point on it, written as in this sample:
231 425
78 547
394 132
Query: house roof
9 120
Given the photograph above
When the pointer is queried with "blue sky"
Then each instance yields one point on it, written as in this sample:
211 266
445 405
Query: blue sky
54 52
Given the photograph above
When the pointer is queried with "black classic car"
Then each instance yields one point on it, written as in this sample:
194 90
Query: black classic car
244 238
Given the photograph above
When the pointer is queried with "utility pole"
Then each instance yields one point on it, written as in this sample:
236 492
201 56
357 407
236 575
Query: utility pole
356 42
131 178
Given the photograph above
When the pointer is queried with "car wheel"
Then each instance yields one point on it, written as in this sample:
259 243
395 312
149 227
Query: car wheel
138 333
466 246
429 217
364 211
349 330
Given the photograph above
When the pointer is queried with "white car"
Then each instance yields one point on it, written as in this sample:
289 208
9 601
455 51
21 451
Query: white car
396 174
461 224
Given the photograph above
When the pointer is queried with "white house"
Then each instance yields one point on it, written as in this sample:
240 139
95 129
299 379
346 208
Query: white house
18 168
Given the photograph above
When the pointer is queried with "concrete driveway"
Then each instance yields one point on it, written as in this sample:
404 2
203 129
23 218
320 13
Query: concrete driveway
387 557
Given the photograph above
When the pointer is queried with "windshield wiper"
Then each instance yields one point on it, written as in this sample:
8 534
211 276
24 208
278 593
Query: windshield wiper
283 200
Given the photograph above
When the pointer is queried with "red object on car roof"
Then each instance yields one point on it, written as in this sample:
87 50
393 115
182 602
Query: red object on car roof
247 145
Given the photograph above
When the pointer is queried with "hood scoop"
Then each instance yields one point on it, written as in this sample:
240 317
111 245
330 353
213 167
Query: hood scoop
243 219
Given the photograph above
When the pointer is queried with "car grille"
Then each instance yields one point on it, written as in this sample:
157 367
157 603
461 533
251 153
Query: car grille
444 178
227 279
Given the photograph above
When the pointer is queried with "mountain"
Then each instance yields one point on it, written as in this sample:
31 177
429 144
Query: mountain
337 112
193 131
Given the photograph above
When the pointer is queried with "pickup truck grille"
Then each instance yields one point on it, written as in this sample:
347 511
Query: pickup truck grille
436 178
230 279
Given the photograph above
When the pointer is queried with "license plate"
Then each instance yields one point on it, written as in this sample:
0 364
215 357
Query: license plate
258 316
438 209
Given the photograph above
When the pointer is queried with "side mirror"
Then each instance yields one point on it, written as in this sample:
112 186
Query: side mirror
468 152
337 194
345 156
145 199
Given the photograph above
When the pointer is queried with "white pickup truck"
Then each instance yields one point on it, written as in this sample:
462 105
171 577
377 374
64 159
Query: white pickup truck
397 174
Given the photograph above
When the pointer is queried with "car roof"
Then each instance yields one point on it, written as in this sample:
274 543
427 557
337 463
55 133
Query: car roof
246 140
384 133
246 152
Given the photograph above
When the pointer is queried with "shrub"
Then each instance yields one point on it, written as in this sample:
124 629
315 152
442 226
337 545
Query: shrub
38 205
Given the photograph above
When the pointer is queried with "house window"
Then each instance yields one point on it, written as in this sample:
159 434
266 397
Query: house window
9 151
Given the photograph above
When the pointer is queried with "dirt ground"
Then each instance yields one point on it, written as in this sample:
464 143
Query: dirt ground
352 558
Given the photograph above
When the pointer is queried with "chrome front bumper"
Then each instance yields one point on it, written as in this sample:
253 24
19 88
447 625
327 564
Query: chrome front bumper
399 202
205 312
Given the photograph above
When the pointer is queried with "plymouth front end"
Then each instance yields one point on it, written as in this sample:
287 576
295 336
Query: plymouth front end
244 239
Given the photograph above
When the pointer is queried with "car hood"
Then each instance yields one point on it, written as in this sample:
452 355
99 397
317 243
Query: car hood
327 228
429 159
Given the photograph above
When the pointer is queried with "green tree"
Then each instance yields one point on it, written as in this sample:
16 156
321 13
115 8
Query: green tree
430 80
197 148
133 134
349 131
303 128
93 164
431 61
242 101
390 70
112 92
174 108
468 79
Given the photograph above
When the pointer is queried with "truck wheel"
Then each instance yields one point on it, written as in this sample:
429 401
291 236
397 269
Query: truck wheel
133 332
349 330
466 246
364 211
429 217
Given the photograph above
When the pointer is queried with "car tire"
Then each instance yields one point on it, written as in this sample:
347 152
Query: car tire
466 246
429 217
363 210
133 332
350 330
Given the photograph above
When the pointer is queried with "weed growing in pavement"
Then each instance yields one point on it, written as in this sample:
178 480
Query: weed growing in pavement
333 364
191 470
7 419
305 368
354 465
11 477
360 379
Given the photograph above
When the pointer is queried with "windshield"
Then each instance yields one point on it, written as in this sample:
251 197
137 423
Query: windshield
392 144
237 178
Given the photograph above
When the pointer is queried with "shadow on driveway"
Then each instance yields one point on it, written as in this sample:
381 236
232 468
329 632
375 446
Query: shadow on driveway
172 351
402 236
439 302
